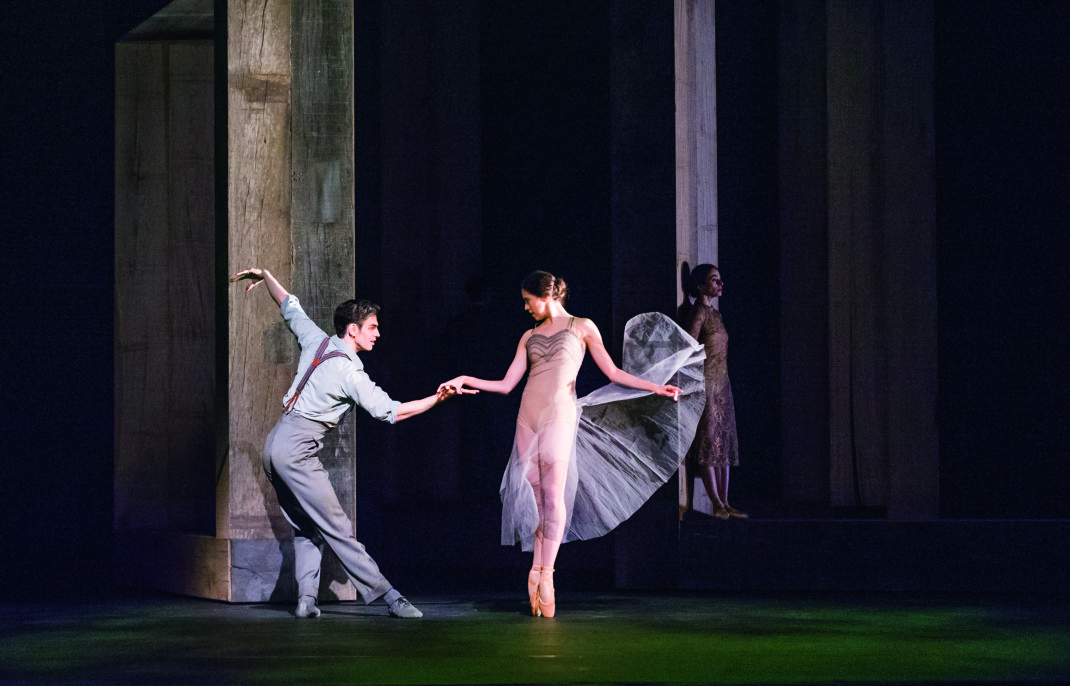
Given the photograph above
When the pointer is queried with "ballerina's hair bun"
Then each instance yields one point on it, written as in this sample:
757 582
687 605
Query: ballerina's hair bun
559 290
542 284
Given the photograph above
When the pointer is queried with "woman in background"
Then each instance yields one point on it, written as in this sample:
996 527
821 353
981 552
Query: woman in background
716 447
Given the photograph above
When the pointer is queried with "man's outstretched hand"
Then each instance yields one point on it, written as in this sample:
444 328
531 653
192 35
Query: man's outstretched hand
255 276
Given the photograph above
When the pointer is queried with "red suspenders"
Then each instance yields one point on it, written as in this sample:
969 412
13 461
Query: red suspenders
320 357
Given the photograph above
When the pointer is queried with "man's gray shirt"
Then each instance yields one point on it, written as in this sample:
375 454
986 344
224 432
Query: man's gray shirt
338 383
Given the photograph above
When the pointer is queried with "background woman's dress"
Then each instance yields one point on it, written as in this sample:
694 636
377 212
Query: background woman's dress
715 442
625 443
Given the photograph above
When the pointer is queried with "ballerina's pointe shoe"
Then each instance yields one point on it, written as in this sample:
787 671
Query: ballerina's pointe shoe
546 597
733 512
533 590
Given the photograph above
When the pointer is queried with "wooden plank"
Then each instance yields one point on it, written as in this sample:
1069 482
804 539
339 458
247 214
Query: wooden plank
140 207
322 211
263 355
696 153
190 286
164 336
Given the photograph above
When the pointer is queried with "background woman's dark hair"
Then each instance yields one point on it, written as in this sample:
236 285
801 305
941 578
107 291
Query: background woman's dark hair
352 312
691 279
542 284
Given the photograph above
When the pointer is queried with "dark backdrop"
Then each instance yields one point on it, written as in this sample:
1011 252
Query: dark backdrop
1003 232
1003 166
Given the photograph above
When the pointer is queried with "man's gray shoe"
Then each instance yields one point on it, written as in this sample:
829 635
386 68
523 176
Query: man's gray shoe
306 607
403 608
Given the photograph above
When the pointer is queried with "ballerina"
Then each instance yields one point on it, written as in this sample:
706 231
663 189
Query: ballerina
579 468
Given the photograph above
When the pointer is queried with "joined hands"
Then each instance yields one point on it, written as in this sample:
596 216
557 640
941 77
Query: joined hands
447 391
455 387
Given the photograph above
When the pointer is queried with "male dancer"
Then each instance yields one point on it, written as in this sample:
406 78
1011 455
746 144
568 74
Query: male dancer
330 381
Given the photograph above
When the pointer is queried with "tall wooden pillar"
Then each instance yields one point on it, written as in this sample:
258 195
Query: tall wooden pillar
696 151
234 148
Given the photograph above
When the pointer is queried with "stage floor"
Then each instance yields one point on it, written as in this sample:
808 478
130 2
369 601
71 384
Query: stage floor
614 637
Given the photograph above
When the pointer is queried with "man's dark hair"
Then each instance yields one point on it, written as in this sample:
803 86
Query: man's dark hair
352 312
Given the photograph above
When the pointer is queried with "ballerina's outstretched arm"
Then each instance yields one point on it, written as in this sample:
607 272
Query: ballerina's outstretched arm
592 338
506 384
